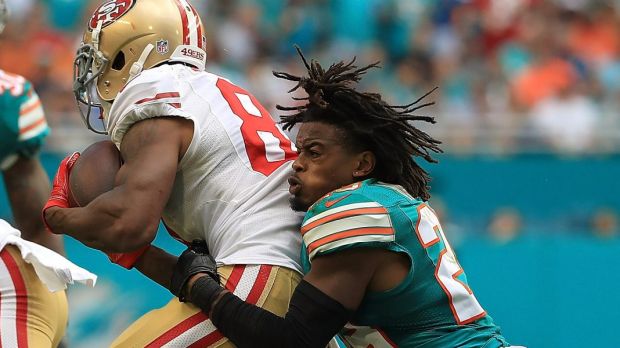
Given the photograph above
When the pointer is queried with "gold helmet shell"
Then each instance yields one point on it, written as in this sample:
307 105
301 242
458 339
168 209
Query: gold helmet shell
124 37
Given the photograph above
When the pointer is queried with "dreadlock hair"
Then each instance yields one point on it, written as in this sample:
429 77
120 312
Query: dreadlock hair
367 122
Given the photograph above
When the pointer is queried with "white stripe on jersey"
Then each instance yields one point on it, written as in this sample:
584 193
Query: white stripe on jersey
204 328
192 335
342 208
247 104
33 116
348 223
33 132
8 309
351 240
273 151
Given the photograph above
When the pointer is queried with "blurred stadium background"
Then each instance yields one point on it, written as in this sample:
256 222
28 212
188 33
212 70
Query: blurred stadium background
527 108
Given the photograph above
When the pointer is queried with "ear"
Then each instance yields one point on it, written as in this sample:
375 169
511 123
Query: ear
365 164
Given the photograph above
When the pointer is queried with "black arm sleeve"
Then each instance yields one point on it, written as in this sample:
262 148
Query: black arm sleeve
312 320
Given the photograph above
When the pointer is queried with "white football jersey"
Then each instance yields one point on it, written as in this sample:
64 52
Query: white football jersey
231 186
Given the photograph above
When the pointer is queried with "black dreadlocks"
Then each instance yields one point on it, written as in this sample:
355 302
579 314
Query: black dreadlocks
367 122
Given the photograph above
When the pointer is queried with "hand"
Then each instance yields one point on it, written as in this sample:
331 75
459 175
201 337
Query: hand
59 196
194 260
129 259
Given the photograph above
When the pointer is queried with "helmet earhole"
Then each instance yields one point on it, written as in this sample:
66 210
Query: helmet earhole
119 61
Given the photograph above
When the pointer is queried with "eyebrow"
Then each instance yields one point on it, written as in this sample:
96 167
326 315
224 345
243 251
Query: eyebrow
310 143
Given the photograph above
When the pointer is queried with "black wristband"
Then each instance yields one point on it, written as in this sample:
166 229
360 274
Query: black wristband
204 291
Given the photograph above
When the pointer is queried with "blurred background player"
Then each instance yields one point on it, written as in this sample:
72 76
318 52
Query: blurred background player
198 152
22 132
374 253
31 314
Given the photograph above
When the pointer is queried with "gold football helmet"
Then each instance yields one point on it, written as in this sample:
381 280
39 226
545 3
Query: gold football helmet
123 38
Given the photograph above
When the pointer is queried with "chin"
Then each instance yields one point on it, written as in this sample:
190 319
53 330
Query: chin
297 204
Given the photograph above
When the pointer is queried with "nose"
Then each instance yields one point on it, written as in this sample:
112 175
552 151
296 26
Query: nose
297 167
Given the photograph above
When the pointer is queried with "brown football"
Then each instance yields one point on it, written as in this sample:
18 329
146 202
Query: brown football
93 173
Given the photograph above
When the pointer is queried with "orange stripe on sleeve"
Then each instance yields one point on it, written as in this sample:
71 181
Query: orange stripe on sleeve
32 126
341 215
384 231
30 108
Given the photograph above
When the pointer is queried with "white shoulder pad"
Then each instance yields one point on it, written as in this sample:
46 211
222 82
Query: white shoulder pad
154 93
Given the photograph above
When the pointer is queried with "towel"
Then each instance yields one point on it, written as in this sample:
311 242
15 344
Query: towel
54 270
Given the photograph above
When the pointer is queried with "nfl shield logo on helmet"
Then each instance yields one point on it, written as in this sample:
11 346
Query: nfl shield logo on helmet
162 46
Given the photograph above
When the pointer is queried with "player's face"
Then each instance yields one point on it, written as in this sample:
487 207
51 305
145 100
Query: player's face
324 164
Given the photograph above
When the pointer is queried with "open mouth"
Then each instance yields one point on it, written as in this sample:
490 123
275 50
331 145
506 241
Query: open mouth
294 185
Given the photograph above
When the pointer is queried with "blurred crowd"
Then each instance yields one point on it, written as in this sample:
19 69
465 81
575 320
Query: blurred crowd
513 76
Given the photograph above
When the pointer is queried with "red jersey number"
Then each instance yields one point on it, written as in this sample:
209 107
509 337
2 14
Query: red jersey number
267 147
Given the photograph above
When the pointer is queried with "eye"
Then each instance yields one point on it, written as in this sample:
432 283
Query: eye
313 153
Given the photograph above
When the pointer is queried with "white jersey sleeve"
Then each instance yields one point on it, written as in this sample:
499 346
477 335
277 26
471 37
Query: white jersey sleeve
153 93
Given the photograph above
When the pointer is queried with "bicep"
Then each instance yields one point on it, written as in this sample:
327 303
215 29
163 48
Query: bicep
344 275
151 150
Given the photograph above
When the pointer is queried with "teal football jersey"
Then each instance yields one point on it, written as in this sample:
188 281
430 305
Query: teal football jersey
22 123
434 305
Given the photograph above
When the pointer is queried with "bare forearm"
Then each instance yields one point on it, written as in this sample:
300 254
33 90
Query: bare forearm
105 224
28 186
157 265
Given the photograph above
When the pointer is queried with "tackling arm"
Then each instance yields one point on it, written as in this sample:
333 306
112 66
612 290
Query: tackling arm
321 305
28 187
126 218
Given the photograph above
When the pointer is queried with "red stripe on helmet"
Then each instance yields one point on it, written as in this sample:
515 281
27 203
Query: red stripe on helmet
184 22
198 27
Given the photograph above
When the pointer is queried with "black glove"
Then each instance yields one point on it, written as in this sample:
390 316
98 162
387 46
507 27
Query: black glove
195 259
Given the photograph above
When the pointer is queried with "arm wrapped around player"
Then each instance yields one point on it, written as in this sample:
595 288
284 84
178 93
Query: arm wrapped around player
312 320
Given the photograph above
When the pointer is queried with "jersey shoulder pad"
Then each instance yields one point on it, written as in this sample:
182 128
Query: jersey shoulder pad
153 93
346 219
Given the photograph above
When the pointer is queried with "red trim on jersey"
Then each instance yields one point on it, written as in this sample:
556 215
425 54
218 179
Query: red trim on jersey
257 289
174 235
208 340
184 21
259 284
386 337
175 105
21 294
450 299
474 318
159 96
